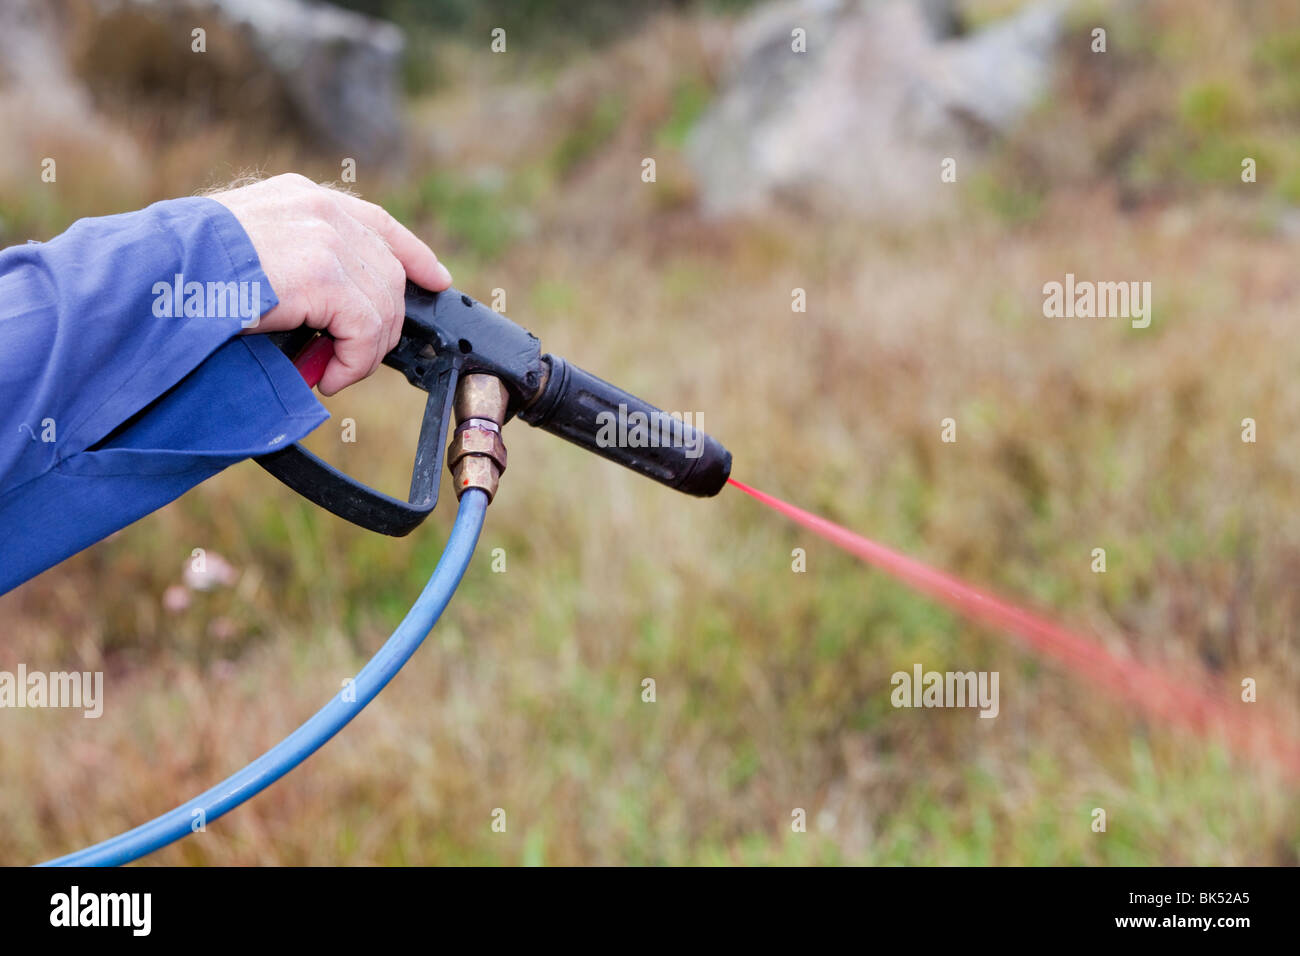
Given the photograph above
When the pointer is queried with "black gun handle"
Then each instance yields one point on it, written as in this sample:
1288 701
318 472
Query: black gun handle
348 498
590 412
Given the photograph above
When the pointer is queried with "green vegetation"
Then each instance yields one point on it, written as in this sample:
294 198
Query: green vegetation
592 132
690 99
771 686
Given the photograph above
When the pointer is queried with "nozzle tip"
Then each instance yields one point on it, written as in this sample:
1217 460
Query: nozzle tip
711 471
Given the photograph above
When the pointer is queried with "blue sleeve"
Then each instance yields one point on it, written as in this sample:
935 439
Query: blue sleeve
123 378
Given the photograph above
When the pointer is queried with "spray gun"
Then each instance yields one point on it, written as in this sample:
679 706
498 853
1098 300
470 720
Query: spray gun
481 367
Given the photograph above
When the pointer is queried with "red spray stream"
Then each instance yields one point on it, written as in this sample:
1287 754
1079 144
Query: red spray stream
1189 704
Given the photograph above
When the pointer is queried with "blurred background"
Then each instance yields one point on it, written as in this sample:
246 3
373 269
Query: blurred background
774 171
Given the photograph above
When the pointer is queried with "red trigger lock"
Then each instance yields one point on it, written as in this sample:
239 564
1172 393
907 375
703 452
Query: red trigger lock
311 361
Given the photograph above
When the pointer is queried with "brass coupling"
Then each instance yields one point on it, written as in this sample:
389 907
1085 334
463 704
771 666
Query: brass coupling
477 454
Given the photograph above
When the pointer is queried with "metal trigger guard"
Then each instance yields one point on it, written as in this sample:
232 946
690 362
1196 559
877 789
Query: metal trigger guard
348 498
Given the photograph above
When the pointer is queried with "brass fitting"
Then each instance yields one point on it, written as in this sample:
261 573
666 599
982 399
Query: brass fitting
477 455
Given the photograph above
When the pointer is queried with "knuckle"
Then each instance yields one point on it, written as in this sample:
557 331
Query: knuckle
318 234
327 269
361 317
385 218
374 239
396 279
321 203
351 354
379 212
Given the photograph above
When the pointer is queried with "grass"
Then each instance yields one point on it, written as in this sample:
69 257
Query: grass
593 131
771 686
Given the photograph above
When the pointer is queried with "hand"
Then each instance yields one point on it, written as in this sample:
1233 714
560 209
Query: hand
336 263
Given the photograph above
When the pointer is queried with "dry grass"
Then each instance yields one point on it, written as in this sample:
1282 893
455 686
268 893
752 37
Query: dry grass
772 686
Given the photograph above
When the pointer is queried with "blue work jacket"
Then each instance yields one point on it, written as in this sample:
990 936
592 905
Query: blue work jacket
124 379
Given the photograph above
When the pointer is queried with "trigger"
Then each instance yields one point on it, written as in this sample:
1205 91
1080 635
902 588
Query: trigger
311 361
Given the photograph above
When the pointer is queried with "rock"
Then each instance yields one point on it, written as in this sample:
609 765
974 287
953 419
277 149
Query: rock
861 121
326 72
43 107
339 68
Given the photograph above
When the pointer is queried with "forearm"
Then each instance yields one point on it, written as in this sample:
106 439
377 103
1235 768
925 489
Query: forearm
90 332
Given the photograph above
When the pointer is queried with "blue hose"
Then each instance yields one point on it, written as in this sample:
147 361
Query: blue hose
323 725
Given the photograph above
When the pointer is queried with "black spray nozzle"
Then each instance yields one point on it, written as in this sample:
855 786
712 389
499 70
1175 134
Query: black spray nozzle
557 396
622 428
450 341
